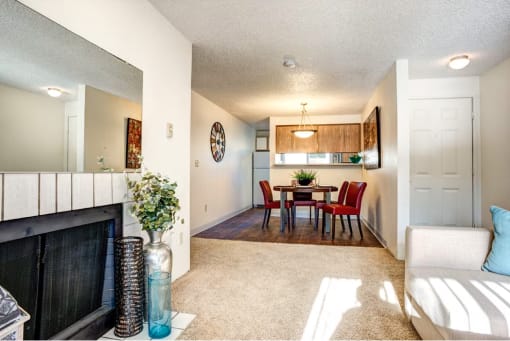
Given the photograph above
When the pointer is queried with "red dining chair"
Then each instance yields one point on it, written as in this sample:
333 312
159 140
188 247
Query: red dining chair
269 203
302 199
321 203
352 206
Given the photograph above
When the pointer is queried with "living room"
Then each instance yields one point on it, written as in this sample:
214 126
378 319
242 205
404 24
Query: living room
210 192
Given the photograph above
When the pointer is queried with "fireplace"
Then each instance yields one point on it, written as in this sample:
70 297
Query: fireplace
60 269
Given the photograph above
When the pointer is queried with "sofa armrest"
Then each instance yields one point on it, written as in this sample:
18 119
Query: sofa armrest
447 247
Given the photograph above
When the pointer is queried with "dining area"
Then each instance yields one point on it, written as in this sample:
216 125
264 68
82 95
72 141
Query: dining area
347 203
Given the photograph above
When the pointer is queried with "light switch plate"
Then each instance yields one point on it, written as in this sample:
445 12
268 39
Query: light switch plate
169 130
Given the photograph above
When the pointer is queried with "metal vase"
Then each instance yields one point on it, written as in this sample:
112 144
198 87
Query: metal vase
158 258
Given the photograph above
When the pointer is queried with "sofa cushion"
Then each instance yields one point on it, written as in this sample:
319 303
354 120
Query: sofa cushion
498 260
462 303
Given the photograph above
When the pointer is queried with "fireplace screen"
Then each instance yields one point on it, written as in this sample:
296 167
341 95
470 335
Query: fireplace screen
58 277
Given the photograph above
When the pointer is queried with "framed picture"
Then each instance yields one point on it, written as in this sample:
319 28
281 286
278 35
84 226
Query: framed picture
372 141
261 143
133 143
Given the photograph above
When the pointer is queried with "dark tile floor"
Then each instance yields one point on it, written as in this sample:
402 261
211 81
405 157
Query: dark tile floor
247 226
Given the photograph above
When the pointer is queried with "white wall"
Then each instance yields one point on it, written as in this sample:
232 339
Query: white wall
106 127
225 187
380 200
135 31
457 87
327 175
386 201
31 131
495 138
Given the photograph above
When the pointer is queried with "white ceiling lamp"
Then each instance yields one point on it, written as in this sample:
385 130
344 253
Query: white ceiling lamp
289 62
304 130
54 92
459 62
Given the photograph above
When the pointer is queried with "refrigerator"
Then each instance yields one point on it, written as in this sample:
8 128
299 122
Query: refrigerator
260 172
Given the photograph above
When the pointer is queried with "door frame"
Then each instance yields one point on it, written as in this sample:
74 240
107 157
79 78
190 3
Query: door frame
476 179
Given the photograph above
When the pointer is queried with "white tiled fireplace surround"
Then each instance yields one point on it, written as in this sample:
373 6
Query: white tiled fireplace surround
24 195
31 194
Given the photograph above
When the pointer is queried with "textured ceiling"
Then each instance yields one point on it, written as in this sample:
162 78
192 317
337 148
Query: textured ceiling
343 48
36 53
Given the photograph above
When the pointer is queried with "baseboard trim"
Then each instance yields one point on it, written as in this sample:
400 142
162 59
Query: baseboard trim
377 236
197 230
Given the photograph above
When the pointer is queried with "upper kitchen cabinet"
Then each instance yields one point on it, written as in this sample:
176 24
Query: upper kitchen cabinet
339 138
287 142
330 138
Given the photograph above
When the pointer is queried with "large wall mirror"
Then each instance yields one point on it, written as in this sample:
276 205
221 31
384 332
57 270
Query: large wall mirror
99 92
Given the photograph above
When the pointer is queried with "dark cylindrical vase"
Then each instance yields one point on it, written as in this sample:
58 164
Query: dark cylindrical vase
129 286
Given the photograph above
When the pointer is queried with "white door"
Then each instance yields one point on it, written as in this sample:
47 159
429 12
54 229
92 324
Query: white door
441 162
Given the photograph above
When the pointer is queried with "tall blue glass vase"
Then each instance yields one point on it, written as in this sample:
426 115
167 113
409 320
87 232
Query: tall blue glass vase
160 310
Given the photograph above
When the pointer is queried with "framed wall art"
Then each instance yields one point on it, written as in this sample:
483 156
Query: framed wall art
372 141
133 143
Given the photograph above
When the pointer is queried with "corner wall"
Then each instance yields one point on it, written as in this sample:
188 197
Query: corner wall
135 31
219 190
495 138
386 200
106 127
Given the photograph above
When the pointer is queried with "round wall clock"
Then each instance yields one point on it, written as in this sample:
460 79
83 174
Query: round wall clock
217 140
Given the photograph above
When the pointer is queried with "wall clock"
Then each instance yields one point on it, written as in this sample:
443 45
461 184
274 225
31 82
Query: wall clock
217 140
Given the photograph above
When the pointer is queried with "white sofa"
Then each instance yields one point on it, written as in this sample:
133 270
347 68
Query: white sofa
447 296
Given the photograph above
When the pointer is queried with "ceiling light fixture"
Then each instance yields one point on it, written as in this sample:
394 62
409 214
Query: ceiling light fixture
54 92
289 62
304 130
459 62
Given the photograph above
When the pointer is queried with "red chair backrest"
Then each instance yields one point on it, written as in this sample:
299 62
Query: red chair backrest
266 191
342 192
355 194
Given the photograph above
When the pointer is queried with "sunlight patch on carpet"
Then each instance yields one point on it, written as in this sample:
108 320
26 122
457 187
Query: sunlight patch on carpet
387 294
336 296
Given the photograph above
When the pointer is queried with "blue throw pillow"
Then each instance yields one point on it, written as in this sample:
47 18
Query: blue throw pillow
498 260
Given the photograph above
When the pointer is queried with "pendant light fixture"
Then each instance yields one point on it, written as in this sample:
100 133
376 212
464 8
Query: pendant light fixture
304 130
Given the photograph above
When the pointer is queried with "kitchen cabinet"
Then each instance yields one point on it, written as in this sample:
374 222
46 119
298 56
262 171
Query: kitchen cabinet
330 138
287 142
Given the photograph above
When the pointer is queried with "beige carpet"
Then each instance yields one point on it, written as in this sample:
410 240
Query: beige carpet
250 290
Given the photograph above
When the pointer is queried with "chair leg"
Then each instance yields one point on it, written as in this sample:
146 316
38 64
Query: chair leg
288 219
310 214
268 216
333 223
359 226
349 221
293 209
264 220
342 222
323 221
316 225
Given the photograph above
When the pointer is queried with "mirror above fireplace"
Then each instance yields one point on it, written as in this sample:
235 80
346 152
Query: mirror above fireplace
99 92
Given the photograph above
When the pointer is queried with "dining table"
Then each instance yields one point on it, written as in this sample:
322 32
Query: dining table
326 190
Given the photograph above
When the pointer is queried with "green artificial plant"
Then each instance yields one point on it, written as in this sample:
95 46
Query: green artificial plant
155 201
304 175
